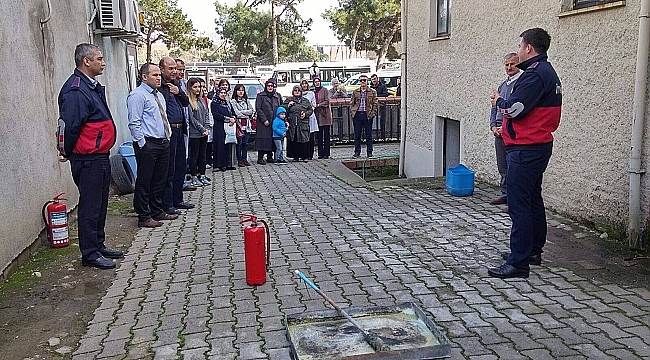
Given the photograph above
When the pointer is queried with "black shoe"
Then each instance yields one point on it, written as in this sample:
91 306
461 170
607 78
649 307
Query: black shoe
230 168
184 205
101 262
533 259
111 254
173 211
507 271
356 155
321 157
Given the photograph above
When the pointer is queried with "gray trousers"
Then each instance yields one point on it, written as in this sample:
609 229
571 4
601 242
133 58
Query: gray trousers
502 164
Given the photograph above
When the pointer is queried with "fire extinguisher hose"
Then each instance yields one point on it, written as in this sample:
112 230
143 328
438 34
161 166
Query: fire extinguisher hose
47 225
268 244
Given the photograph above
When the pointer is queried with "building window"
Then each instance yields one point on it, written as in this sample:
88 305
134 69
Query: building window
440 18
579 4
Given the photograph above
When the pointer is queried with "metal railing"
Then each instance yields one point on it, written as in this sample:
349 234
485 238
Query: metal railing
385 126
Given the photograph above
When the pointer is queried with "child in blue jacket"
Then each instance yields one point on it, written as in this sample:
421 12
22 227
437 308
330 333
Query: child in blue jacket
280 127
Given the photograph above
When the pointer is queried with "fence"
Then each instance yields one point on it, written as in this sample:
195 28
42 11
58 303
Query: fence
385 126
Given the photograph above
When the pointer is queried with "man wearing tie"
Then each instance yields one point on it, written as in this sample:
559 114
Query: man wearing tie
151 132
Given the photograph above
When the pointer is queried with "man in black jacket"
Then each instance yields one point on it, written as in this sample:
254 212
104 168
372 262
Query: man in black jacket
176 100
88 135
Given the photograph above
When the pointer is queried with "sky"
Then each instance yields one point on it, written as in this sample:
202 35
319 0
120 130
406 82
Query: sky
202 13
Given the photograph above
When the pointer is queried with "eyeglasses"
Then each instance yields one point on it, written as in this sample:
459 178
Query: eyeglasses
363 80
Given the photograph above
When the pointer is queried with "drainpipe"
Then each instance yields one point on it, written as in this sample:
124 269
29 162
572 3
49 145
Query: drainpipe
402 109
638 123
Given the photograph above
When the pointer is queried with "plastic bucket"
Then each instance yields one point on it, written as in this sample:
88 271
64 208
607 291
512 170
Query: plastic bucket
127 151
460 181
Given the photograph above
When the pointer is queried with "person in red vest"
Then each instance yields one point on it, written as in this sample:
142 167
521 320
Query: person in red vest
89 134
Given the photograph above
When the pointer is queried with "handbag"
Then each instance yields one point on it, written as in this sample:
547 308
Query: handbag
240 132
253 123
231 133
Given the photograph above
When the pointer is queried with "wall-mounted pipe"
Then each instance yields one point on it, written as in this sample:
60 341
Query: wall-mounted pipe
89 25
404 85
638 124
49 13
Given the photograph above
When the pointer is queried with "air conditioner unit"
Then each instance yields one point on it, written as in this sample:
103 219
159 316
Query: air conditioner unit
113 15
132 19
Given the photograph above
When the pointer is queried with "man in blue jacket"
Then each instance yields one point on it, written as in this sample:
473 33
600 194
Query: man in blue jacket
176 101
530 116
510 62
88 135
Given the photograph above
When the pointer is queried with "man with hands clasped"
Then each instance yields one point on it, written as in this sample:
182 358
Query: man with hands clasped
505 89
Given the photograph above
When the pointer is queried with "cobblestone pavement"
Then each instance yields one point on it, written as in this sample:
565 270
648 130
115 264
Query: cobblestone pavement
181 292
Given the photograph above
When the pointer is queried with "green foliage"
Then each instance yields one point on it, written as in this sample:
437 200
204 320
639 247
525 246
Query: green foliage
165 22
367 24
248 35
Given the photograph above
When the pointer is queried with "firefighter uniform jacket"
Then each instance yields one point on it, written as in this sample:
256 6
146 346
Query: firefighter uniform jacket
532 113
89 128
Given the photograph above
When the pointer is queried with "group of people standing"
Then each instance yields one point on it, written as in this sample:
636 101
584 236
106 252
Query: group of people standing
169 119
307 119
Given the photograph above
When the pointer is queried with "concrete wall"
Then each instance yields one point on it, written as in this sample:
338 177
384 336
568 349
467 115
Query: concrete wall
36 63
594 54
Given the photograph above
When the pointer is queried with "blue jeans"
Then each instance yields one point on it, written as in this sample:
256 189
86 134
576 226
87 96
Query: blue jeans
526 166
361 123
242 147
278 149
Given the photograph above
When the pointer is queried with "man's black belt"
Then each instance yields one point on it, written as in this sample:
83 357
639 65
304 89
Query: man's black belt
155 140
176 125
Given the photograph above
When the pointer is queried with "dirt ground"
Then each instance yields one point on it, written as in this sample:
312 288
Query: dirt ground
46 304
43 317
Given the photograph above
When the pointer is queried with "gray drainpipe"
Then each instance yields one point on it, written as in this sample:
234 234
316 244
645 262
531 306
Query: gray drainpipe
638 123
402 137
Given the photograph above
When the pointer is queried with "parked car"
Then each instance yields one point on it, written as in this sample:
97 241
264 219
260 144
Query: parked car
389 77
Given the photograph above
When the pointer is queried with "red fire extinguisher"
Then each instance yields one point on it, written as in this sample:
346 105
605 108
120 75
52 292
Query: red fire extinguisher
55 217
254 250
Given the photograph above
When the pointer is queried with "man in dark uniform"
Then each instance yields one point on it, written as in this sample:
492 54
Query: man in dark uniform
89 133
530 116
176 100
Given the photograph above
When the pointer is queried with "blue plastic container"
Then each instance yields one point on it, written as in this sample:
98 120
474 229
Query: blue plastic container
460 181
127 151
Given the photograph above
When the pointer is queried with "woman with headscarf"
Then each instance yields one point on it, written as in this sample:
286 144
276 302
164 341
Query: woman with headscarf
298 111
224 83
313 122
224 154
266 105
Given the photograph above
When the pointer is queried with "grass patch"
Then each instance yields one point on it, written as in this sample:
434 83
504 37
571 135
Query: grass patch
386 172
39 261
121 205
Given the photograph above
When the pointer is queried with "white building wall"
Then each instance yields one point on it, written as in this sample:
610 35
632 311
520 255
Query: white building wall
594 54
36 63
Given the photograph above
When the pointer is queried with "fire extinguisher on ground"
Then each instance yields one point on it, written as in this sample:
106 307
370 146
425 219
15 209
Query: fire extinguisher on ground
55 217
257 256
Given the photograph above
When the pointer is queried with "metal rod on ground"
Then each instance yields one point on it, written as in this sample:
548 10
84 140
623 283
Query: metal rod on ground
372 339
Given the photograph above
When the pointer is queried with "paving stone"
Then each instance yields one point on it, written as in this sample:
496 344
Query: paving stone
472 346
637 345
181 291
